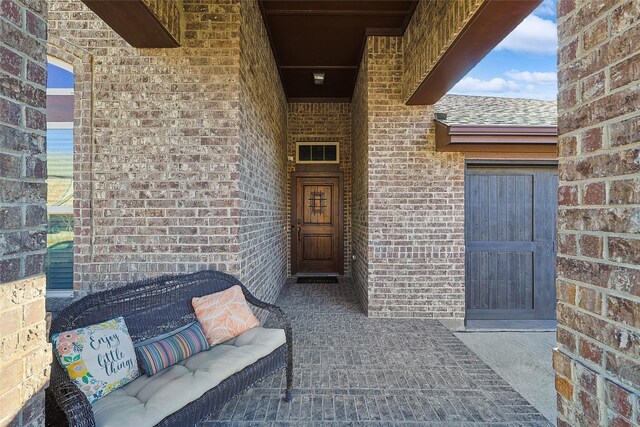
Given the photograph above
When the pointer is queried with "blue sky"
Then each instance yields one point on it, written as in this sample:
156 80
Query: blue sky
523 65
58 78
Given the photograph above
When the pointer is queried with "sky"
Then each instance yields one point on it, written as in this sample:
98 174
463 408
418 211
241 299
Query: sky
523 65
58 77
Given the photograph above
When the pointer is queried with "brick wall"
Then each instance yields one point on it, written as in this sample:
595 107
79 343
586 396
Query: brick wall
434 25
596 362
160 195
263 160
360 185
187 169
81 61
415 200
329 122
24 352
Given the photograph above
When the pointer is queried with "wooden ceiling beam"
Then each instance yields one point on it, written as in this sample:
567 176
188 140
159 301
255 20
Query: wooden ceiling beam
491 24
331 12
318 67
319 99
134 22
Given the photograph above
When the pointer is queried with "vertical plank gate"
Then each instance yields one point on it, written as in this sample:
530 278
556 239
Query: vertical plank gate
510 230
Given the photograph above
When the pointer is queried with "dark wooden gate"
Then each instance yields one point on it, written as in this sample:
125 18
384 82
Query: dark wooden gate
510 230
316 241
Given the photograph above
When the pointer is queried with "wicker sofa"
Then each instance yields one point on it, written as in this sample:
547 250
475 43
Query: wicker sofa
153 307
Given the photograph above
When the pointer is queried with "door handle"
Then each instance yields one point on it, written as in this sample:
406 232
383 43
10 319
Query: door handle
299 232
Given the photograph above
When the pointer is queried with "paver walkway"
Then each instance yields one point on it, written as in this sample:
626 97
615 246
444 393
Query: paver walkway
350 369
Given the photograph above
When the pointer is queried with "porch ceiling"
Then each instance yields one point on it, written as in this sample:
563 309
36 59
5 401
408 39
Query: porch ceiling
327 36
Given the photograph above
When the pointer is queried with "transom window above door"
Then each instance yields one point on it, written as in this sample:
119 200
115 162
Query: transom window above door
317 152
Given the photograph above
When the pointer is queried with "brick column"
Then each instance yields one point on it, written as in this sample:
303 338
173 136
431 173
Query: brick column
408 230
597 359
24 352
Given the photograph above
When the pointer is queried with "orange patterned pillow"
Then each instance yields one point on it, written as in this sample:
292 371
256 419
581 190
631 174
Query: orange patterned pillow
224 315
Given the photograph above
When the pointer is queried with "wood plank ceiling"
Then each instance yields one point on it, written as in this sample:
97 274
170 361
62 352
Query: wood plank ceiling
327 36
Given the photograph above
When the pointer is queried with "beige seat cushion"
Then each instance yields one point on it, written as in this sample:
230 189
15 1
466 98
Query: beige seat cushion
147 400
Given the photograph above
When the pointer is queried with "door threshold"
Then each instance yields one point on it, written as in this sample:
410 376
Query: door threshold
316 275
510 325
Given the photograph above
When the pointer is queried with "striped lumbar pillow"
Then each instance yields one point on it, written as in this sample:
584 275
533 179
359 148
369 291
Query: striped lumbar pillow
158 355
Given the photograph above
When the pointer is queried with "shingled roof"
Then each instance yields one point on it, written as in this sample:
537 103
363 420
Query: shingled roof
492 111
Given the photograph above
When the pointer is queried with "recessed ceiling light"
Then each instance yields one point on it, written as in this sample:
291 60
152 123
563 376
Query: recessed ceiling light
318 78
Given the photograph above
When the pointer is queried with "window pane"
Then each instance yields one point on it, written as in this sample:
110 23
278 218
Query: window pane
305 153
59 256
330 153
60 153
317 152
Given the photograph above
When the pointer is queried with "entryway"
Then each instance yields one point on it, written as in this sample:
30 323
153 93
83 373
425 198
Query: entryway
316 217
510 229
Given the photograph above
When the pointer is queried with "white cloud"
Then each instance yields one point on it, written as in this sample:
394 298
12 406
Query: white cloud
533 35
533 76
522 84
496 84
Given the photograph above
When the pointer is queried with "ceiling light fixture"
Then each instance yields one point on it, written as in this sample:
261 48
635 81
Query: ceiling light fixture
318 78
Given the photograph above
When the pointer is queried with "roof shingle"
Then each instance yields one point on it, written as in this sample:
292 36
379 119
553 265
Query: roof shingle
491 111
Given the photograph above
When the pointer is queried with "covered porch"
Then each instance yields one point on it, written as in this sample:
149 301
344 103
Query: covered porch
187 122
355 370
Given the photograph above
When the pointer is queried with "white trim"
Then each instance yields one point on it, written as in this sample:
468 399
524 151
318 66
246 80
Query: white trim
59 293
60 91
59 210
318 162
59 125
60 63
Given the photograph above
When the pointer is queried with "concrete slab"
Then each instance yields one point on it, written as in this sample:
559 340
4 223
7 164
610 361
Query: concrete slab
523 359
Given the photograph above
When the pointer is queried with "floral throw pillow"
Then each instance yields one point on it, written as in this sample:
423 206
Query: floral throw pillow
99 358
224 315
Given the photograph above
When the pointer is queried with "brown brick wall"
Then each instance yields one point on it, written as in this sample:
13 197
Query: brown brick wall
263 160
329 122
415 200
160 195
360 185
24 352
163 187
434 26
596 362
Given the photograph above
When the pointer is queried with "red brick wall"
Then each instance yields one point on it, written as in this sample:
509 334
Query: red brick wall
415 200
597 359
24 352
329 122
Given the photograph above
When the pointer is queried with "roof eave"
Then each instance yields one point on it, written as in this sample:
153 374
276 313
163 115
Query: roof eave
498 141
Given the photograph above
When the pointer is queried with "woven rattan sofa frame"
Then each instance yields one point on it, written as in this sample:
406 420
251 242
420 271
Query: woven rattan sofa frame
152 307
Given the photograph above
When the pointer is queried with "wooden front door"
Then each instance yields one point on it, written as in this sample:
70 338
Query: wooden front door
510 230
316 224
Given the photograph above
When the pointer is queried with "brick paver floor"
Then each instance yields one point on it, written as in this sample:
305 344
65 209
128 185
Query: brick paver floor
350 369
